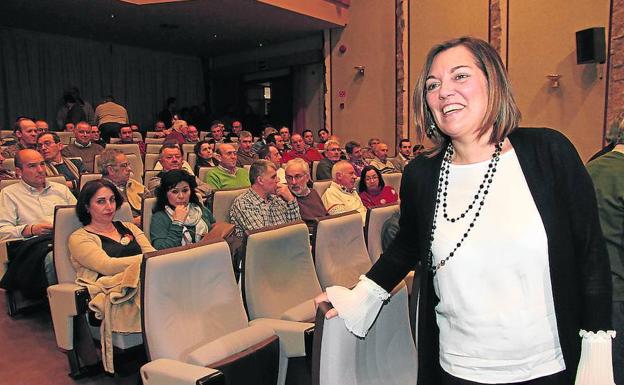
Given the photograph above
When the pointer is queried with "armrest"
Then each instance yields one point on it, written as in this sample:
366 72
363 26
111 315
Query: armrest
219 231
291 334
67 300
228 345
169 372
304 312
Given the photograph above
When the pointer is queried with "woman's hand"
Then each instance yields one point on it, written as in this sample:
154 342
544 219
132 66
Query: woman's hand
323 298
180 213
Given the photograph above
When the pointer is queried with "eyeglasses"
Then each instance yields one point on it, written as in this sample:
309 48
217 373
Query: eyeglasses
122 165
45 144
296 177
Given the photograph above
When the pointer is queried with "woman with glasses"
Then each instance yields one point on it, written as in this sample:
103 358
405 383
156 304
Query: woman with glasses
373 190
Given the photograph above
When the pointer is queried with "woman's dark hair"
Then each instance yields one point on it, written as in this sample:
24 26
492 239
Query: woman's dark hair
362 186
168 181
197 147
88 191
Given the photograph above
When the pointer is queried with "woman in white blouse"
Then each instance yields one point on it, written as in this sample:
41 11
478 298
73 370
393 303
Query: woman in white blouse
504 223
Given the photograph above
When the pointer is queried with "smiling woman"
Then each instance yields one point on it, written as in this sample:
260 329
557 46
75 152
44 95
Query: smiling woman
504 224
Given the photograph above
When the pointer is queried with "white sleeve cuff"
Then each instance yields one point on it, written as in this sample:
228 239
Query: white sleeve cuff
596 364
358 307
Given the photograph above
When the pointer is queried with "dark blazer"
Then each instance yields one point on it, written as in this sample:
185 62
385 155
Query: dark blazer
579 264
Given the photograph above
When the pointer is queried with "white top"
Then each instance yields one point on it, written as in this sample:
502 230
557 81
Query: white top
185 166
496 312
22 205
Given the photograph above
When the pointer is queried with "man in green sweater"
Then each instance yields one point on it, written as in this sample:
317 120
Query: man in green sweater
226 175
607 172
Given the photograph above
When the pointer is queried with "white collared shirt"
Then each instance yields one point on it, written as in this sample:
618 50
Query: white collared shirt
21 205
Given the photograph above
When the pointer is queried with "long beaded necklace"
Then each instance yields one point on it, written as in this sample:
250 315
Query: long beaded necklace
477 203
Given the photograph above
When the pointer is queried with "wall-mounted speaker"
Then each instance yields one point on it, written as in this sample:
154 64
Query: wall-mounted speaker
590 46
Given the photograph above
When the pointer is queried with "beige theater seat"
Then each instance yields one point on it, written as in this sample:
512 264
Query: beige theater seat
84 178
9 164
65 136
191 158
69 300
393 179
149 140
321 186
201 173
279 285
314 168
340 254
187 148
151 160
375 220
127 148
146 215
221 202
152 148
387 355
202 322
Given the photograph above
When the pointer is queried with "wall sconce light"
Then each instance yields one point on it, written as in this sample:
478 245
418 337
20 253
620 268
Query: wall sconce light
360 69
554 80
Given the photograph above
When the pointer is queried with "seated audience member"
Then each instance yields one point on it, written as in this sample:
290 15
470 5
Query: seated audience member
204 155
354 156
69 127
83 147
367 154
50 146
323 135
237 128
276 140
300 151
381 162
42 126
417 150
171 159
125 137
178 132
270 153
160 129
107 257
373 142
266 131
27 213
179 218
266 203
341 195
192 134
285 134
310 203
226 175
308 139
185 165
25 131
115 168
217 132
244 153
373 190
95 136
404 155
4 173
332 156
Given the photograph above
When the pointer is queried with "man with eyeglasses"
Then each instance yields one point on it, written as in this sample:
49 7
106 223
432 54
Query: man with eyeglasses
309 201
114 166
332 156
83 147
50 146
226 174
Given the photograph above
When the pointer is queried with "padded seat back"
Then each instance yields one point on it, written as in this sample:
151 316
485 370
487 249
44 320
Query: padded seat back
149 174
375 220
201 174
314 168
191 158
340 254
393 179
187 148
9 164
126 148
278 272
221 202
65 223
386 356
146 212
321 186
190 298
151 160
153 140
65 136
84 178
152 148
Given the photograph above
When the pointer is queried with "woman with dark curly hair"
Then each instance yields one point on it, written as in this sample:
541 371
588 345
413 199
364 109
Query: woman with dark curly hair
204 154
179 218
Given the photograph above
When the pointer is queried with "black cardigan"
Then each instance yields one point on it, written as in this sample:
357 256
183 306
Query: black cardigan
579 264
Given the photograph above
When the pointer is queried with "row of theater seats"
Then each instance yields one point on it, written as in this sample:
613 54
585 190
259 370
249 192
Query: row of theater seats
204 329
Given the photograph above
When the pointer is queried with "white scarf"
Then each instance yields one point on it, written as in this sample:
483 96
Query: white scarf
194 218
